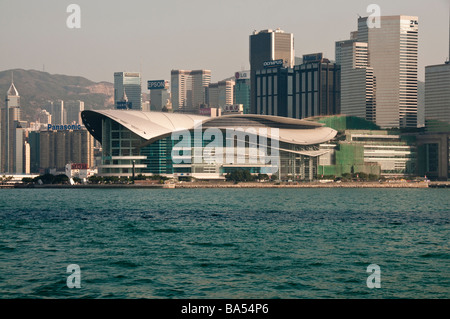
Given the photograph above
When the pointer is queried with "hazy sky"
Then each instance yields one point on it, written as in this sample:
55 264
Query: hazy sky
154 37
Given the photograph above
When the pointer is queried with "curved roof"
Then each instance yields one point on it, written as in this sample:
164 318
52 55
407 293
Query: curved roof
154 125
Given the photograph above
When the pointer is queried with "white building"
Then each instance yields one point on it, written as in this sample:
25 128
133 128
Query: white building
393 55
188 89
357 80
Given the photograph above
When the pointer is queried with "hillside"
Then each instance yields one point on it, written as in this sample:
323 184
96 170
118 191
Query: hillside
37 87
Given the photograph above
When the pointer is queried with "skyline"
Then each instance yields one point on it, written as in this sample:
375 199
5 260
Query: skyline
154 38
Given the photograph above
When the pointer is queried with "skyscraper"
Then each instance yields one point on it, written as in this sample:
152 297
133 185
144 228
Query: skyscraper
188 89
12 134
242 90
159 95
393 55
309 89
357 80
59 115
268 45
73 110
437 95
128 83
220 94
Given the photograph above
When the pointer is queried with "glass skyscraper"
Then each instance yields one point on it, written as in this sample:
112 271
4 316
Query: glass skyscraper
128 84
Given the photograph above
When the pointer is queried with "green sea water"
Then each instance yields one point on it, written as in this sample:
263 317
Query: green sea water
224 243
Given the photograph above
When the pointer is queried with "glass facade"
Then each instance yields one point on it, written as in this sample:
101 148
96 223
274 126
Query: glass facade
220 151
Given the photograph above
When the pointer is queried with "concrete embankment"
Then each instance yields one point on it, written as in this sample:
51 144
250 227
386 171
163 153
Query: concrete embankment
248 185
307 185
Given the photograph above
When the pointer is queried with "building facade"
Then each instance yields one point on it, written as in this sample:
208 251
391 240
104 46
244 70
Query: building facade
178 145
73 111
129 84
393 55
13 134
242 90
437 93
357 79
188 89
58 148
309 89
220 94
268 45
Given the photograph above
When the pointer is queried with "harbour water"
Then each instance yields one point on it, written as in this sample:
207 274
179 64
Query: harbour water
225 243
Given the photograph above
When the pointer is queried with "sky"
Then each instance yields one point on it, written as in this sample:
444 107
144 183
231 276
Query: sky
154 37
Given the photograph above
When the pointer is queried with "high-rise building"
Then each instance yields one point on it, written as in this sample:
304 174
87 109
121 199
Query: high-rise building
220 94
129 84
316 88
437 97
58 148
59 114
12 134
393 55
309 89
73 111
357 80
242 90
44 117
268 45
188 89
159 95
437 92
200 80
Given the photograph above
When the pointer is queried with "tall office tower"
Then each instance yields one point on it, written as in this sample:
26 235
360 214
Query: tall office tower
220 94
128 83
309 89
179 84
159 95
357 80
437 93
73 111
188 89
316 88
59 114
12 139
393 55
200 80
268 45
242 90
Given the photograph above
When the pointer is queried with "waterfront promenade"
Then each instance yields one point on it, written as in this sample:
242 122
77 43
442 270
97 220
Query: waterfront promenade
314 184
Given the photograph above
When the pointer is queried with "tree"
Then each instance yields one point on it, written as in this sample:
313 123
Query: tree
27 180
46 178
240 175
95 179
61 179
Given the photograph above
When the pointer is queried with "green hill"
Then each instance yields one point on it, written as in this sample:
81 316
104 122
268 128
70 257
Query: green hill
37 87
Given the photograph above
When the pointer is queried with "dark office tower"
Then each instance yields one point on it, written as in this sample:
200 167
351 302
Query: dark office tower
309 89
274 91
265 46
316 87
